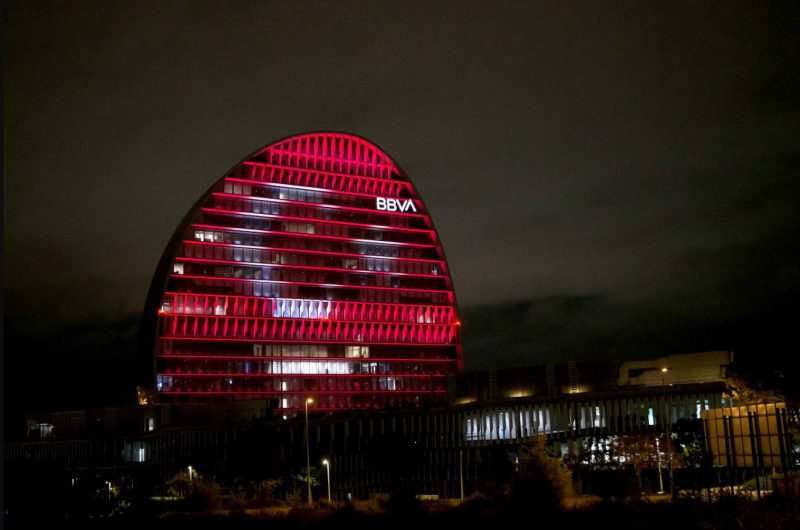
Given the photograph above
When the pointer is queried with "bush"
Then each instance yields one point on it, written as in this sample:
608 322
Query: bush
540 479
203 495
198 494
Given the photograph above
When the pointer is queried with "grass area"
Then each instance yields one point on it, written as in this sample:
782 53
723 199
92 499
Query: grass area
478 512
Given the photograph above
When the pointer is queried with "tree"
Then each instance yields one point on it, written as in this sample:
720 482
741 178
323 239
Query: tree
744 392
304 476
198 493
264 490
540 478
592 454
643 451
690 438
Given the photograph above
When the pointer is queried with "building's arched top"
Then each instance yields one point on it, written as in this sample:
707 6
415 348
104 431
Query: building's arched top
330 152
311 269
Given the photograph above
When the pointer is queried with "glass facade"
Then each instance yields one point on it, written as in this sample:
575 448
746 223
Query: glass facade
311 270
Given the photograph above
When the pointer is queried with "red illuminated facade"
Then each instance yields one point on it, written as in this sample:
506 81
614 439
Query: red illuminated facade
311 270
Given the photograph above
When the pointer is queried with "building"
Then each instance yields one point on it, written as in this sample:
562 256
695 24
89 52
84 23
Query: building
702 367
310 271
438 449
548 381
310 278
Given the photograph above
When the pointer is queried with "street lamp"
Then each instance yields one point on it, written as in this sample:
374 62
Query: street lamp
658 460
667 427
461 471
328 467
308 454
190 475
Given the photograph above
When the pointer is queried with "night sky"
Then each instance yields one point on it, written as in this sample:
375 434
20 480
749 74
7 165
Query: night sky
610 180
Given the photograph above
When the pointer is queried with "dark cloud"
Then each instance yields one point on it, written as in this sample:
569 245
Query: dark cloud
67 367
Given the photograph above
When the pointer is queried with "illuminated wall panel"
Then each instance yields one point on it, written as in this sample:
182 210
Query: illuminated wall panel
311 270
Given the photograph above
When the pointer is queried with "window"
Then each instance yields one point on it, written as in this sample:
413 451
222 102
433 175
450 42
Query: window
357 352
45 430
164 383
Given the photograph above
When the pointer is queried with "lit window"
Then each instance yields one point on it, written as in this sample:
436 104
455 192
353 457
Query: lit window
357 352
164 383
177 268
45 430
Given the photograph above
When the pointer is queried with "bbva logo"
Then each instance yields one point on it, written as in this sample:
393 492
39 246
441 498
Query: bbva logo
395 205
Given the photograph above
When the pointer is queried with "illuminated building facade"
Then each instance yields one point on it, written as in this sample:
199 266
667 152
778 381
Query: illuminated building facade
310 270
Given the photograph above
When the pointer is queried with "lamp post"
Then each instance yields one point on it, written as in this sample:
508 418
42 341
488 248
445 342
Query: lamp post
328 469
658 459
461 471
667 428
190 475
308 454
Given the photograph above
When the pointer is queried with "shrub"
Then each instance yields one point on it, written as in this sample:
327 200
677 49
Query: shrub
540 478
